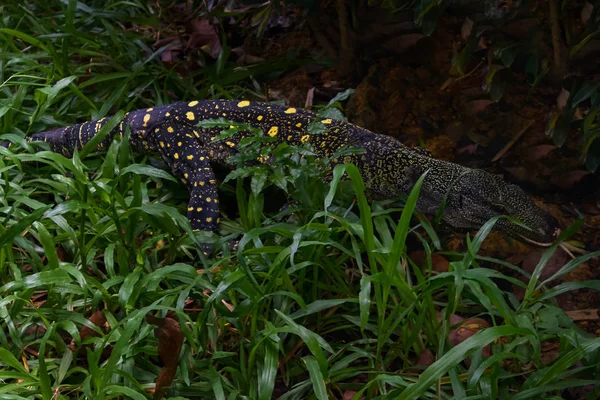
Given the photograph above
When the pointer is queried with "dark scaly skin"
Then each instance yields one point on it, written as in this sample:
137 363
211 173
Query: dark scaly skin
388 167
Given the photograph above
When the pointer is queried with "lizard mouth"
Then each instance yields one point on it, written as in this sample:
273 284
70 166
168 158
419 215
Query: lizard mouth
543 244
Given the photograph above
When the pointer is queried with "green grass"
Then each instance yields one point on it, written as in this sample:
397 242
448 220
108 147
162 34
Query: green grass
319 299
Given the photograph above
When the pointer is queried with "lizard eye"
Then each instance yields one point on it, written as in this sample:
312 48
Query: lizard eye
499 209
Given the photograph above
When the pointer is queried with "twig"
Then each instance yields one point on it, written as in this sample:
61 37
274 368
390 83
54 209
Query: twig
558 69
346 49
510 144
584 315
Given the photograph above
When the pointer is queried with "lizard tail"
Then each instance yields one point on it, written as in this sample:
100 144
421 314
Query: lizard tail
56 138
66 140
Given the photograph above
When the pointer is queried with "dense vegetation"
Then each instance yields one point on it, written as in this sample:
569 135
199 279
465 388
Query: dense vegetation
320 300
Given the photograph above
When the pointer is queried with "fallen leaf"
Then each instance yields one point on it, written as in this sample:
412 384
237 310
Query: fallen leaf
98 319
568 179
402 43
586 12
349 394
468 149
454 319
522 173
170 340
468 328
584 315
204 36
426 358
537 152
439 263
530 261
467 27
562 98
476 106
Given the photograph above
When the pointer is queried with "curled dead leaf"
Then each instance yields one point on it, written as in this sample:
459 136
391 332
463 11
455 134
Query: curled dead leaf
426 358
586 12
538 152
170 341
568 179
562 98
468 328
467 27
439 263
97 318
476 106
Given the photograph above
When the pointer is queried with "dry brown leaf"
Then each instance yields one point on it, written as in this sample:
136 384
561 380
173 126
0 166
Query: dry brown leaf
349 394
403 43
568 179
586 12
476 106
537 152
170 340
468 328
426 358
204 36
562 98
98 319
467 27
439 263
584 315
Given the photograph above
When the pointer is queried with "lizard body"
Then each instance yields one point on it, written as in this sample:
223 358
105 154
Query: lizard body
388 167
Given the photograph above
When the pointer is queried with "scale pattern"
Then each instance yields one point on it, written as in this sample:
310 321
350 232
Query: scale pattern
388 167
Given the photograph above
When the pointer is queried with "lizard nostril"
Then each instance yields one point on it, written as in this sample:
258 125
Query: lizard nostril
556 232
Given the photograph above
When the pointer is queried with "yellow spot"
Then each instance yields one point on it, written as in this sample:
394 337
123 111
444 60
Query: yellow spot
326 121
146 119
167 114
290 110
230 144
202 158
190 157
170 129
273 131
212 181
176 156
199 209
149 109
190 208
201 183
299 124
208 199
190 115
244 103
192 103
305 138
179 144
186 175
231 126
289 137
209 219
260 117
195 184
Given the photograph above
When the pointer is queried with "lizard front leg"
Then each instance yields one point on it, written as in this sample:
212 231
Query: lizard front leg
189 161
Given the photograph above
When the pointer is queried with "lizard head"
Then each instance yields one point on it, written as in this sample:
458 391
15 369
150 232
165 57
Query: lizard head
477 196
